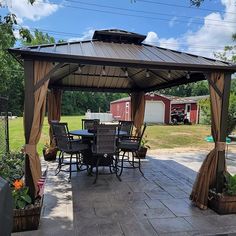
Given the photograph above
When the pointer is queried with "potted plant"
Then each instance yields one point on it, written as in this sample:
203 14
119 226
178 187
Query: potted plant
143 148
26 212
26 216
49 152
224 203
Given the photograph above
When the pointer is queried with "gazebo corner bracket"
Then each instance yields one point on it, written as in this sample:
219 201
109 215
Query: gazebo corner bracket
47 76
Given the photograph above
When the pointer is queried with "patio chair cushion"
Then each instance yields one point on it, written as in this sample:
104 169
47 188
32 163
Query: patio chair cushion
128 144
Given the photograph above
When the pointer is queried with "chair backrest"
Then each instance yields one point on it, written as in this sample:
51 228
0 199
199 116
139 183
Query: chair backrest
126 126
90 123
61 134
105 139
142 133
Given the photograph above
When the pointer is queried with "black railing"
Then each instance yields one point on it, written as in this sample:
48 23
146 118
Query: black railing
4 128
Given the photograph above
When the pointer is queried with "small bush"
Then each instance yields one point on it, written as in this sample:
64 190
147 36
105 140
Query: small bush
12 166
230 184
206 112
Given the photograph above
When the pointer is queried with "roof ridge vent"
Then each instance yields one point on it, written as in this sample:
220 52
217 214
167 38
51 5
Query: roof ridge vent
118 36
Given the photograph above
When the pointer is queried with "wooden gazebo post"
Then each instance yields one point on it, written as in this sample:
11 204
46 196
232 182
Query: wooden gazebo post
211 172
223 133
37 76
28 119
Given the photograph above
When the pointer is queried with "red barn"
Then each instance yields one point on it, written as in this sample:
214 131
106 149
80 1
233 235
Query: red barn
158 108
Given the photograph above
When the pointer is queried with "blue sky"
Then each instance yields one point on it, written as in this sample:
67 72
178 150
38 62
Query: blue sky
172 24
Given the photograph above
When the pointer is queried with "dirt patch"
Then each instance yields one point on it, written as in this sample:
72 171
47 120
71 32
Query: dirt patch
180 133
207 148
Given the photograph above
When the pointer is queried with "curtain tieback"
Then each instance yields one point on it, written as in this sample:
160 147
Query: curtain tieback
220 146
29 149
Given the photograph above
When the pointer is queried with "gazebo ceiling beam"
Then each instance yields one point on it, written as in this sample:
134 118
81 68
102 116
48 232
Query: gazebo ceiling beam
127 63
183 80
130 77
94 89
215 88
159 76
47 77
98 75
65 74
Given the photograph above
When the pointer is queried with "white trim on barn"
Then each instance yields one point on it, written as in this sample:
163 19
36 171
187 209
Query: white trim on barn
154 112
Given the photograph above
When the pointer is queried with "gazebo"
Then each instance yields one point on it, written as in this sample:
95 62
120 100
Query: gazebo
118 61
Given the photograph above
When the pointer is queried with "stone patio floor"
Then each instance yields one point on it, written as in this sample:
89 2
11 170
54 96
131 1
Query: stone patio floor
155 205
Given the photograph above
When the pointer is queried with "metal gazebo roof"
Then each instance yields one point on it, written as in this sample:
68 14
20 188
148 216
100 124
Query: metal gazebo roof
117 60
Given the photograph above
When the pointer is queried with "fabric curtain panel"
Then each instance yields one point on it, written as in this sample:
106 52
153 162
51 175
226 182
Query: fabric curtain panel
137 110
54 109
40 70
206 177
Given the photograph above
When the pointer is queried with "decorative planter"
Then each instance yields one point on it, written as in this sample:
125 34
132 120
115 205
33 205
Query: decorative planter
142 153
51 156
27 219
222 204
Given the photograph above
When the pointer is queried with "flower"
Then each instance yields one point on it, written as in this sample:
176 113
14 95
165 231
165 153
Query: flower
18 184
20 195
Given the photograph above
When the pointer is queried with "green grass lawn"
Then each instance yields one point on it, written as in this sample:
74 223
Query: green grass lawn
16 131
174 136
158 136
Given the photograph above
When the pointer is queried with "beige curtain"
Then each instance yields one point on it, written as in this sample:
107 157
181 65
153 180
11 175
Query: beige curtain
54 109
206 178
40 70
137 110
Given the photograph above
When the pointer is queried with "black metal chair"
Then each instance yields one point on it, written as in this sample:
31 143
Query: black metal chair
90 124
131 145
66 145
104 148
126 126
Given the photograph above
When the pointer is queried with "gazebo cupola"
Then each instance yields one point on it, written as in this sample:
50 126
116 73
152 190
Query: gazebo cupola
118 36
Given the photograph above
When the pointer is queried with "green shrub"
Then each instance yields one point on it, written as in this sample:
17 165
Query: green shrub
206 112
230 184
12 166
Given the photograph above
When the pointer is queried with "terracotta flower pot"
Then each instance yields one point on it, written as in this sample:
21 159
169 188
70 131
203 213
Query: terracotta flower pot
142 153
50 156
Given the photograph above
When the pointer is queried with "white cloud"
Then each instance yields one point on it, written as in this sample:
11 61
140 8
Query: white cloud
152 38
172 22
85 36
215 33
171 43
24 10
212 36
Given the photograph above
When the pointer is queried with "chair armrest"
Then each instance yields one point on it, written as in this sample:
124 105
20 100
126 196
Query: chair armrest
130 138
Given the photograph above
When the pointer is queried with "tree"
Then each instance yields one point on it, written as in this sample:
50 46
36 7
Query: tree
196 3
77 103
11 74
38 38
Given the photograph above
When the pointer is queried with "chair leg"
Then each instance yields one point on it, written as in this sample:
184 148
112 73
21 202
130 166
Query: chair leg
116 167
70 169
97 164
110 169
77 162
133 159
139 164
122 163
58 169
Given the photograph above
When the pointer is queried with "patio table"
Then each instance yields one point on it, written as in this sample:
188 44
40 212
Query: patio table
87 137
85 133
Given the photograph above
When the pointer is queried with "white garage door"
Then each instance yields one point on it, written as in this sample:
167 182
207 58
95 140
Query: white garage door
154 112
